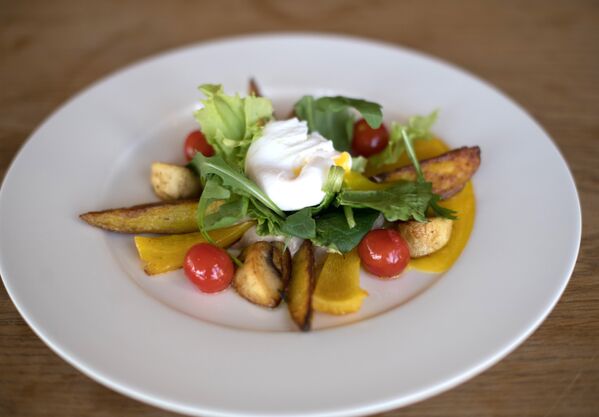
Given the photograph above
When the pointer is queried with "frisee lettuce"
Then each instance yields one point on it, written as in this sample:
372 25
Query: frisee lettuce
231 123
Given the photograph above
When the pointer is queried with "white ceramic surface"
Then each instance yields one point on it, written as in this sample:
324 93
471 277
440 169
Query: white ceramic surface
162 342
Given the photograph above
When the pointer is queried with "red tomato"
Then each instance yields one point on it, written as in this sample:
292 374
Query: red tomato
209 267
196 142
368 141
384 253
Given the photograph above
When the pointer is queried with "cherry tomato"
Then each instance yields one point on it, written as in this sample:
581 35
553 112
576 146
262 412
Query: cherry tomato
368 141
196 142
209 267
384 253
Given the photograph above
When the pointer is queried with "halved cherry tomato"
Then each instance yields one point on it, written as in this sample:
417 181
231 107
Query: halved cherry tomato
368 141
196 142
209 267
384 253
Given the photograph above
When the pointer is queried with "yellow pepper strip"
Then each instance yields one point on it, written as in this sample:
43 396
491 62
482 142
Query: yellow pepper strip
166 253
338 286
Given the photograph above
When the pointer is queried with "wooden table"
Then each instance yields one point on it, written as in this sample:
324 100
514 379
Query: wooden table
545 54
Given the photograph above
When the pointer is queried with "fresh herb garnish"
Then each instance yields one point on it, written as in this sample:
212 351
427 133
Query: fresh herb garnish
331 117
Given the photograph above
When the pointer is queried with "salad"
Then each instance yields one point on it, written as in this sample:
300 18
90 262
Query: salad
292 209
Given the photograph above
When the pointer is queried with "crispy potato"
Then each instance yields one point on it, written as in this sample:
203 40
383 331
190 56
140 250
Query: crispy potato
165 217
281 258
426 238
161 254
300 289
259 280
448 172
174 182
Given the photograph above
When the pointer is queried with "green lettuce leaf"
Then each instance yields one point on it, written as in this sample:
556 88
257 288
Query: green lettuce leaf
300 224
404 200
418 127
334 233
231 179
231 123
331 117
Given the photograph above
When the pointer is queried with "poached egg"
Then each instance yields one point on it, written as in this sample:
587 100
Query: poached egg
291 165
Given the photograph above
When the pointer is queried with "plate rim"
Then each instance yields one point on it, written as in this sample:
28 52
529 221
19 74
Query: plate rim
295 35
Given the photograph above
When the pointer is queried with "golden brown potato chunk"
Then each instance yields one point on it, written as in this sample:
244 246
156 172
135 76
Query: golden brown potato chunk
448 172
259 279
174 182
164 217
426 238
301 286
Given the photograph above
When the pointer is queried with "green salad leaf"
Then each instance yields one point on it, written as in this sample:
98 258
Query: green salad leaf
300 224
418 127
371 112
331 117
231 179
404 200
231 123
334 233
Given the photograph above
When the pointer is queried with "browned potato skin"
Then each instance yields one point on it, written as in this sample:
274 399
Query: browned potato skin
281 258
259 280
301 287
448 172
163 217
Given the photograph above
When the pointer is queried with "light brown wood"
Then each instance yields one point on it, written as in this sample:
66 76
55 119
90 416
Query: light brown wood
544 54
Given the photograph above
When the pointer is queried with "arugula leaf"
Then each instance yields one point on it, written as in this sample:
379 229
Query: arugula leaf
404 200
440 210
371 112
330 116
231 179
300 224
218 207
418 127
267 222
231 123
333 232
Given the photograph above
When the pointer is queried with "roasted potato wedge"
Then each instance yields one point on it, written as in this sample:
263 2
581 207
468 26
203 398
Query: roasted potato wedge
259 280
165 217
282 261
174 182
426 238
448 172
166 253
300 289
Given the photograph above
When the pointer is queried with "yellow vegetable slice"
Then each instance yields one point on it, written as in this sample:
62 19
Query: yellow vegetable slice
166 253
338 286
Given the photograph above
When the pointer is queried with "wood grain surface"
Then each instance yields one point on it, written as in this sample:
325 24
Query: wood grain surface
544 54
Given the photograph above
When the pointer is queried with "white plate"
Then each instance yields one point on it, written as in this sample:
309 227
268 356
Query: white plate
160 341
